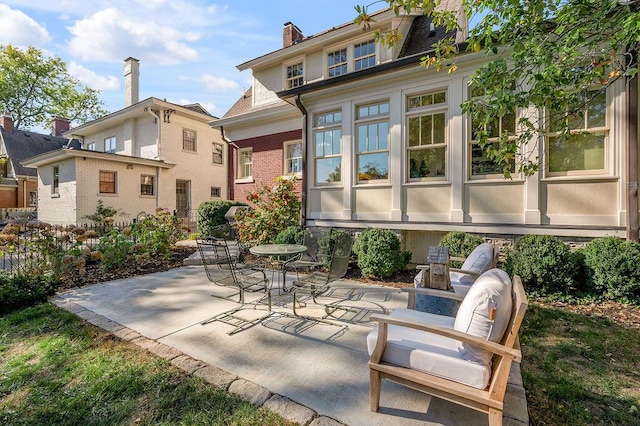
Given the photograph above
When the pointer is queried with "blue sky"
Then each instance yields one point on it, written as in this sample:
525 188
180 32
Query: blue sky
188 49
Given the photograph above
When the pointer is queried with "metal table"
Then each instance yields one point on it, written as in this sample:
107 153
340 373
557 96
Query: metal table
279 254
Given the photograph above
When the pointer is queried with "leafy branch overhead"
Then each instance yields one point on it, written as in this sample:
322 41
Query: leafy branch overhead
546 59
34 89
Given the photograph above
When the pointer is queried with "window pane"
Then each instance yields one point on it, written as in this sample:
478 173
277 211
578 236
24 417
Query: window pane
438 128
373 166
439 98
328 170
335 142
426 163
509 123
578 152
597 111
383 135
481 165
362 138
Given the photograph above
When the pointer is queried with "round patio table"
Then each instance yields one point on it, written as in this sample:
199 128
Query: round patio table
280 254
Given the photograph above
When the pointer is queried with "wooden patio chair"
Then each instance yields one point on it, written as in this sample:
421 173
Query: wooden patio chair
466 359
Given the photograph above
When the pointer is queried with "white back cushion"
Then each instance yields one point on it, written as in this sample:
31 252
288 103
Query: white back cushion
479 261
485 313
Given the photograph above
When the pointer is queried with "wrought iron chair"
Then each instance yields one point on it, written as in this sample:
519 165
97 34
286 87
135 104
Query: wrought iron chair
316 255
318 282
224 269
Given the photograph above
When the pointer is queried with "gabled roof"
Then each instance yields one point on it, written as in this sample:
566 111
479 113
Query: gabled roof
64 153
20 145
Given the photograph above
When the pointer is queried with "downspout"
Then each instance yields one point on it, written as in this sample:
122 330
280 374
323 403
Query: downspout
230 143
157 119
303 110
632 160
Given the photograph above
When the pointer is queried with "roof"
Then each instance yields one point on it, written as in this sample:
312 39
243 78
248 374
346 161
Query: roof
64 153
416 42
243 106
21 144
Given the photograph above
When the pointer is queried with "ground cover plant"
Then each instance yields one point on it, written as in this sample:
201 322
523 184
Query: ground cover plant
57 370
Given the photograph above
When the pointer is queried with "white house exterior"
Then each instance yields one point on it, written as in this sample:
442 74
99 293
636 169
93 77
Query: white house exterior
387 145
151 154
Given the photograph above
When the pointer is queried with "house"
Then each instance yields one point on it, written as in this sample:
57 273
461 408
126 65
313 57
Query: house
19 186
150 154
385 143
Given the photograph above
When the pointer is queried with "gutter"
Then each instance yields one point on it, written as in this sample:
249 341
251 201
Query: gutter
303 110
230 143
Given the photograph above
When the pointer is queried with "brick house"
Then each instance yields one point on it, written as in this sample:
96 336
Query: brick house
19 186
385 143
150 154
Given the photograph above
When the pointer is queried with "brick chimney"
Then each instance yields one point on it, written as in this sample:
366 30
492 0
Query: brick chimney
6 121
60 125
131 81
291 35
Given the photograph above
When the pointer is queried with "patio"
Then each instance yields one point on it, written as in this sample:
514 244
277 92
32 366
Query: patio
302 369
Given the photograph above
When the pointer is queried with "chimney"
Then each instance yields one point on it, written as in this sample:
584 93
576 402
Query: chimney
6 121
291 35
60 125
456 6
131 81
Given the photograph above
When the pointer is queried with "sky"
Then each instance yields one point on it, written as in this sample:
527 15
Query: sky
188 49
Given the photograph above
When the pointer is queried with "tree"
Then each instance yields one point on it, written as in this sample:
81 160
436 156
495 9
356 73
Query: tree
35 89
553 56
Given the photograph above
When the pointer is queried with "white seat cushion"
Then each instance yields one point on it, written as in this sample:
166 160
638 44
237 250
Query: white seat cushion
427 352
485 312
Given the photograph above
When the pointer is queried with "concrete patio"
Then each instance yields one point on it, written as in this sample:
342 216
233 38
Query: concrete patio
309 372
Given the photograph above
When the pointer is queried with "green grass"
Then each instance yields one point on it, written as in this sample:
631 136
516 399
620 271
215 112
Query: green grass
54 369
579 370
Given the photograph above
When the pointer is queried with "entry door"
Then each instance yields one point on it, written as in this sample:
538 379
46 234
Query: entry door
183 197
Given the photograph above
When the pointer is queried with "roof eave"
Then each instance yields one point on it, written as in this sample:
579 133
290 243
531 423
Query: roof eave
61 154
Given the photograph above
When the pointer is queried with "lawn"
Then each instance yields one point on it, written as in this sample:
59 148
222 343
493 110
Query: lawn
58 370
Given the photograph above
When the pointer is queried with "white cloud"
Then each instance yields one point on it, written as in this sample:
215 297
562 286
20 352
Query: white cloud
111 35
216 84
92 79
19 29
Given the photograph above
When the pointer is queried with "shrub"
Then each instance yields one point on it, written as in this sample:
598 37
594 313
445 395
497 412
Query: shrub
156 235
211 214
612 268
379 253
460 244
544 263
116 250
291 235
275 209
20 291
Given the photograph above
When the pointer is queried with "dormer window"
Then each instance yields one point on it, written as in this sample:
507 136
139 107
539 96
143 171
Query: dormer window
295 75
337 63
354 57
364 55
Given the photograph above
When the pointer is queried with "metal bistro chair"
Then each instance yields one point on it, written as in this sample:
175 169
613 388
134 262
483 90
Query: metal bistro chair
318 282
315 257
224 269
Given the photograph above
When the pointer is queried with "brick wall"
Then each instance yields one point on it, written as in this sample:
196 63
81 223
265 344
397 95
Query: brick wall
8 197
268 162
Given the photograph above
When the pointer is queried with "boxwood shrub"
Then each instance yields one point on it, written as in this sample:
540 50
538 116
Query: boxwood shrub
612 268
379 254
211 214
545 264
460 244
290 235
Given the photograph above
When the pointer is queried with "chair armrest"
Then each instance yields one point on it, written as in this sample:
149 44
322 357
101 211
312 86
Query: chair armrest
457 259
495 348
465 271
423 267
433 292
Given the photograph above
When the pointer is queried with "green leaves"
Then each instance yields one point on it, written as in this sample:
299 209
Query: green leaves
34 89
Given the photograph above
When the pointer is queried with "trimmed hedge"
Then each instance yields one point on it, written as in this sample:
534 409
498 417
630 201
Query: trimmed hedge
612 268
545 264
379 253
21 291
211 214
290 235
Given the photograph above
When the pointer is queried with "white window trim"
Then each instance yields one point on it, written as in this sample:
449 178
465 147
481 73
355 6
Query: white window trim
115 145
322 128
248 178
286 174
584 174
379 118
298 60
420 111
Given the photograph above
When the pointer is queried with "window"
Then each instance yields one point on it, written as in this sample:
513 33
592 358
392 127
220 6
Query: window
218 150
110 145
583 149
364 55
295 75
215 192
55 181
292 158
327 154
337 63
426 134
146 184
372 141
4 166
91 146
33 198
189 140
481 165
107 182
245 163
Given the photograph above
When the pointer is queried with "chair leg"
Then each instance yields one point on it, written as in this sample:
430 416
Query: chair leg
495 417
375 383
